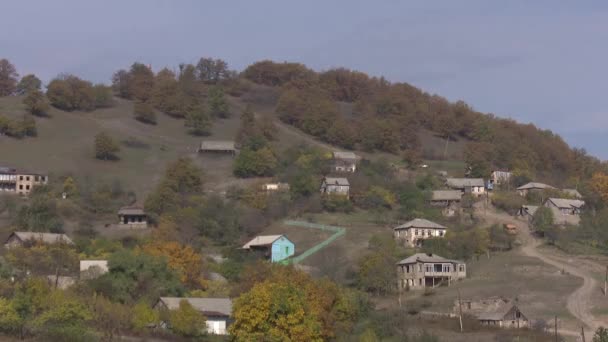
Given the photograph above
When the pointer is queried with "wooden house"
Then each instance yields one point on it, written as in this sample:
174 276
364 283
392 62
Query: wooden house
273 247
217 311
449 200
533 186
565 210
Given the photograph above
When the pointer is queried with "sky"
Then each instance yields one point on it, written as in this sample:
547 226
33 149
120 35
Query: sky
541 61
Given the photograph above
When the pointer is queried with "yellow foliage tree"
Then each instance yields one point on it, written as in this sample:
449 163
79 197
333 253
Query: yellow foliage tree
599 184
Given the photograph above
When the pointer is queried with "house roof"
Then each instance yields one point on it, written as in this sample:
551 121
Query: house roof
426 258
446 195
262 240
336 181
572 192
86 264
492 309
43 237
566 202
534 185
345 155
131 211
420 223
13 171
218 145
530 209
459 183
215 306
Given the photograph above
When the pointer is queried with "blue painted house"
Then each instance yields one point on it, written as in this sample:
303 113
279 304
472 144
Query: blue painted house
274 247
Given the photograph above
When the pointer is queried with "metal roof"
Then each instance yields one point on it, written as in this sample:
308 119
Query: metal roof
566 202
86 264
345 155
336 181
534 185
446 195
222 306
131 211
43 237
218 145
427 258
420 223
460 183
262 240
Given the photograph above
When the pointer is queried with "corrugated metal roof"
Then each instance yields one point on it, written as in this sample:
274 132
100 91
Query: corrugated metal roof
345 155
221 306
262 240
131 211
566 202
535 185
460 183
446 195
43 237
218 145
420 223
336 181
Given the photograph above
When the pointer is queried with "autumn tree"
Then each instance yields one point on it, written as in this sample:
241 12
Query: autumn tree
105 147
601 335
28 83
255 163
70 93
121 83
144 112
8 78
144 316
166 93
218 107
186 320
140 82
599 184
36 103
102 96
212 70
543 220
198 121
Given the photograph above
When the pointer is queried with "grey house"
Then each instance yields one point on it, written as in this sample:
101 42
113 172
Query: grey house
428 270
494 311
335 185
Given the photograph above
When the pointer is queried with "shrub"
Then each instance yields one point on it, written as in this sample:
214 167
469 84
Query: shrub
144 112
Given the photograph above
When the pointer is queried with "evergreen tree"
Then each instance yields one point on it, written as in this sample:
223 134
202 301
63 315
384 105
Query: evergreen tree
218 107
198 121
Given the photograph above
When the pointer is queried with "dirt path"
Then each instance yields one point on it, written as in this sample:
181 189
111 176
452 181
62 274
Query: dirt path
579 302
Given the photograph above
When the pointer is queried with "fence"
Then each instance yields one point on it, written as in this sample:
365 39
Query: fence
338 231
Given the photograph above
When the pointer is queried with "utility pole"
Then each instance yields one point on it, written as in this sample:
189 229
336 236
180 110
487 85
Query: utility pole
555 329
460 310
606 281
583 333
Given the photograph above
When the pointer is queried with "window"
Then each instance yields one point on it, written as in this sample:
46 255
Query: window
27 187
416 232
461 268
441 233
286 249
20 186
27 178
20 177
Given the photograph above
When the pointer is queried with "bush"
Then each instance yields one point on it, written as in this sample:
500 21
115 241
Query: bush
70 93
144 112
337 203
105 147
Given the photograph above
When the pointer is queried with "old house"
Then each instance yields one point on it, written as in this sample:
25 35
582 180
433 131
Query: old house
573 193
533 186
91 269
428 270
217 311
218 146
449 200
495 311
60 282
473 186
345 161
23 238
500 177
335 185
565 210
272 247
414 232
20 182
132 217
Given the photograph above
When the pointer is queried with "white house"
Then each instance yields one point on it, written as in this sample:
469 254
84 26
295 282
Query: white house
217 311
333 185
413 232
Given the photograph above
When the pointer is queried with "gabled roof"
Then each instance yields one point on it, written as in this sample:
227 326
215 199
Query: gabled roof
460 183
566 202
86 264
530 209
345 155
43 237
420 223
493 309
336 181
573 193
446 195
262 240
423 257
131 211
534 185
210 306
218 145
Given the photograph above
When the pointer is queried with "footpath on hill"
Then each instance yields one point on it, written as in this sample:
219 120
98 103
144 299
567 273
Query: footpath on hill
579 301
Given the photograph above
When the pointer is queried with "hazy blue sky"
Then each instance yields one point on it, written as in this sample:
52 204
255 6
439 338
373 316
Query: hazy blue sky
535 61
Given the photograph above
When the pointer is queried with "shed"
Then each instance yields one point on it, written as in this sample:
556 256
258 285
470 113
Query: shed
533 186
273 247
494 311
90 269
217 311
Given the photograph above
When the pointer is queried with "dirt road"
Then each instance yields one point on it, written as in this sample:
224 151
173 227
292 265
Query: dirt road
579 302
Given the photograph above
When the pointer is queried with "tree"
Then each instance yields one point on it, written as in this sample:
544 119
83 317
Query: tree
166 94
181 258
105 147
69 187
10 321
144 112
212 70
186 321
8 78
198 121
110 318
28 83
144 316
601 335
121 83
35 103
542 220
64 319
102 96
599 184
258 163
68 92
218 107
141 82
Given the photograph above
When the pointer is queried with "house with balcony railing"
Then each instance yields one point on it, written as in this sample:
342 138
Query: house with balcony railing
422 270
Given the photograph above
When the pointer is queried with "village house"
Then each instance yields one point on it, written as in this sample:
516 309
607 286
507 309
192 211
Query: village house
474 186
449 200
275 187
500 177
527 211
345 161
532 187
422 270
572 193
91 269
20 239
414 232
132 217
272 247
495 311
217 311
20 182
337 186
565 210
60 282
218 146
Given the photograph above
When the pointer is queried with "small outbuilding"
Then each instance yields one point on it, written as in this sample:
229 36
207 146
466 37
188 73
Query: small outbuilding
494 311
565 210
449 200
20 239
132 217
218 146
272 247
217 311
